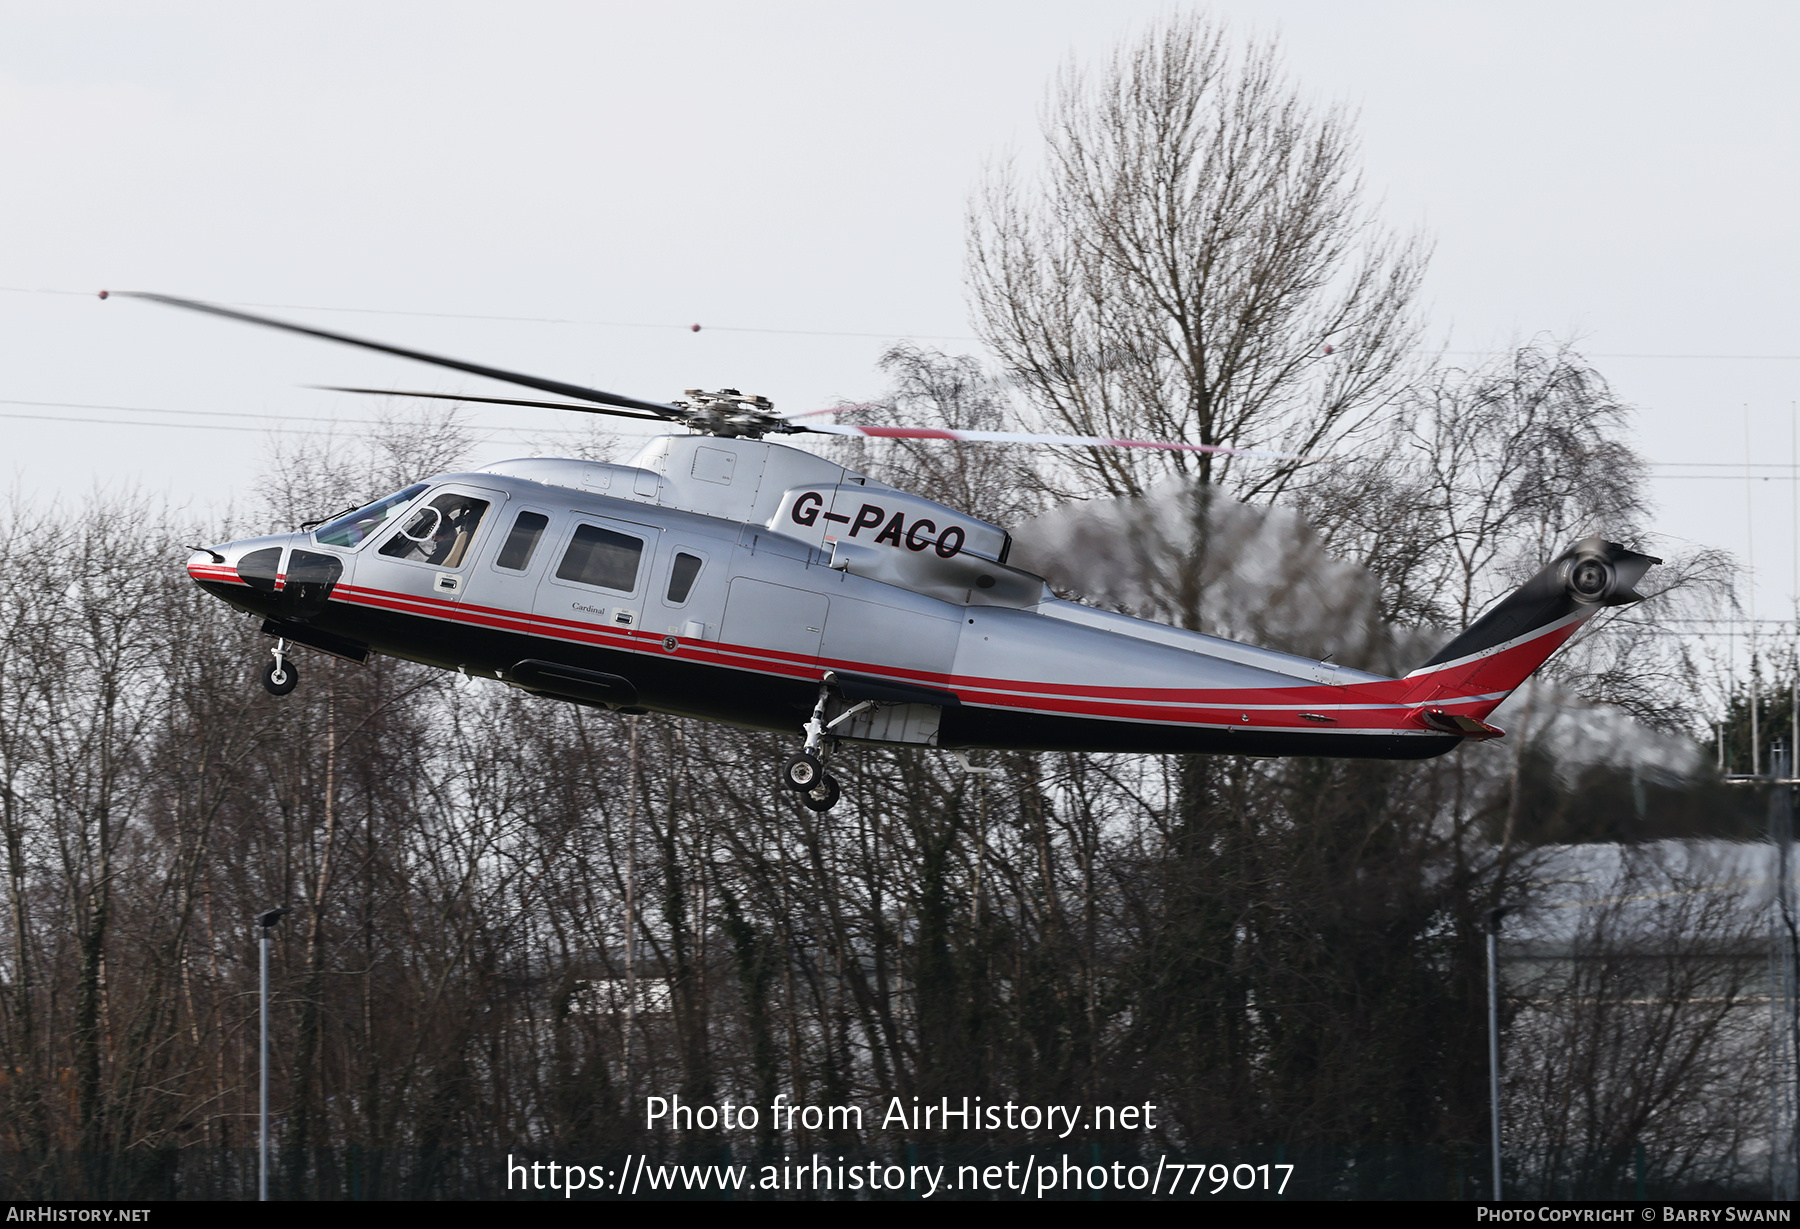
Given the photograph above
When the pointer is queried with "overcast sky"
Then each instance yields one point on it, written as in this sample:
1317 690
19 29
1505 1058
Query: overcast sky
1622 173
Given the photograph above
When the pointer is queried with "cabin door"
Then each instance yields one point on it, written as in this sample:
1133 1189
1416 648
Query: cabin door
596 579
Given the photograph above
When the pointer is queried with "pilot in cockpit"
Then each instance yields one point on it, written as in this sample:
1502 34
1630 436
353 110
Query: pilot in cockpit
439 533
451 542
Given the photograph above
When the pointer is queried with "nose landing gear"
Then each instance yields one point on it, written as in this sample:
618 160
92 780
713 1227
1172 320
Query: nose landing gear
280 676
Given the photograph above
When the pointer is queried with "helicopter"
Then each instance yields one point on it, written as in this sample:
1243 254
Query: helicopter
719 574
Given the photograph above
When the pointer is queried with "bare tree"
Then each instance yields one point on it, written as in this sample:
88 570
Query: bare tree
1520 457
1484 474
1635 1022
313 475
1194 265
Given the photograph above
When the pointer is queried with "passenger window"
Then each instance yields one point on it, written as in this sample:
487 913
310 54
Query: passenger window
438 533
601 557
515 556
681 577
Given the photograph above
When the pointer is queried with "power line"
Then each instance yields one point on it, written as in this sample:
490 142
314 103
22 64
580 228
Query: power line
608 324
484 432
116 422
733 328
284 419
1584 354
279 419
1730 619
1683 636
141 409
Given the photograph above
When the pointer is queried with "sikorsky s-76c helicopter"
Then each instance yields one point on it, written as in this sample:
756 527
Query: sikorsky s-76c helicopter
720 575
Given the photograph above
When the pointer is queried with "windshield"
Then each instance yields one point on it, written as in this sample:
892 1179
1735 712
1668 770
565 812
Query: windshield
352 528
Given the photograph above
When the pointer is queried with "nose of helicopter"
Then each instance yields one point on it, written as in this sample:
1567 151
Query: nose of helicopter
244 571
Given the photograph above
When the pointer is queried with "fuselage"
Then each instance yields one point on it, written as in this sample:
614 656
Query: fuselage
725 579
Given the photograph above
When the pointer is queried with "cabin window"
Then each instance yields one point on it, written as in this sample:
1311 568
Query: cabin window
355 527
515 556
438 533
681 577
603 558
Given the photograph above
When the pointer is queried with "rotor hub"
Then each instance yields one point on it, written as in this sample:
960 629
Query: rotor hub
729 413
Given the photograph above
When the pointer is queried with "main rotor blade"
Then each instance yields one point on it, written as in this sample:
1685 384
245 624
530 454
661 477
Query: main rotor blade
544 405
576 391
1030 437
837 409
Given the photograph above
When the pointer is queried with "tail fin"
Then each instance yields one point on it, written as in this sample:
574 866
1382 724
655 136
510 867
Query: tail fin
1499 651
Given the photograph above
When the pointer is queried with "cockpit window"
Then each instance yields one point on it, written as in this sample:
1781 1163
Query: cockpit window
438 533
354 528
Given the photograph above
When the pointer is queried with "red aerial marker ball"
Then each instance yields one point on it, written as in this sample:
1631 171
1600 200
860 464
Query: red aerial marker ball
103 294
694 327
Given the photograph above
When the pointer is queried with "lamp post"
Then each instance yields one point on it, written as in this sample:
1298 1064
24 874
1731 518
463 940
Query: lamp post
1493 916
267 921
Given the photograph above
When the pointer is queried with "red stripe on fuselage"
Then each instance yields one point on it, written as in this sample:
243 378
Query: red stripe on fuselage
1386 706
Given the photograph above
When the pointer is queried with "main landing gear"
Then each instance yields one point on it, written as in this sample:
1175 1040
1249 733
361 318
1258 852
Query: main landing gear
805 773
280 676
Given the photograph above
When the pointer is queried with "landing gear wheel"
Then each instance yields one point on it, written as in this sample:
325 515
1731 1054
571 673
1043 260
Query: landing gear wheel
279 677
823 796
802 772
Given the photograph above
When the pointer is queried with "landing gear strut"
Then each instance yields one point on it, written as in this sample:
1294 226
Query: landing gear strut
805 773
280 676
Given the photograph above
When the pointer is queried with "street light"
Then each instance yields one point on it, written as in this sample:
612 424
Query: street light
1493 917
267 922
